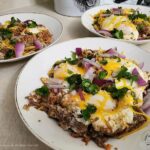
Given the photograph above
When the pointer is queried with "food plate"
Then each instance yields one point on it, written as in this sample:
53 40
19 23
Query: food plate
46 129
87 19
52 24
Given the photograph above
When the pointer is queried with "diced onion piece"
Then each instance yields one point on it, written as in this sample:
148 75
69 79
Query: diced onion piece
80 92
89 74
58 86
38 44
101 82
79 52
105 33
92 62
55 81
141 65
19 49
140 81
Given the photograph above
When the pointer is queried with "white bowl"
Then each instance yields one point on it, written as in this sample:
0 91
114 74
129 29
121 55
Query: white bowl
47 129
53 25
87 19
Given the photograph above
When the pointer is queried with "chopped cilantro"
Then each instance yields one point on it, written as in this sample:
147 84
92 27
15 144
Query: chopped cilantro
103 62
14 22
123 73
9 54
74 81
31 24
89 87
102 74
43 91
73 60
5 33
86 113
117 34
117 93
13 41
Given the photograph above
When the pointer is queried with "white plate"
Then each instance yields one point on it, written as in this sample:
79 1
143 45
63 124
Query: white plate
47 129
54 26
87 19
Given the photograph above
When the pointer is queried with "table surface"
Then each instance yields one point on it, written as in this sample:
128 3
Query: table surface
13 133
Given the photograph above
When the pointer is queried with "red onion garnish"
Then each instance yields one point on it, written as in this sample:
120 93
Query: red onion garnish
79 52
141 65
90 74
81 94
19 49
113 52
86 65
92 62
102 82
140 81
105 33
38 44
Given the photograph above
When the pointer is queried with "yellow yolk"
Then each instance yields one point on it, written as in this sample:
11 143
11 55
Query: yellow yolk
111 66
64 70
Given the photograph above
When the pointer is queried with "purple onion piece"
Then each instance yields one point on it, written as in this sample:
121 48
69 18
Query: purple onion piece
19 49
102 82
79 52
135 72
38 44
105 33
141 81
141 65
80 92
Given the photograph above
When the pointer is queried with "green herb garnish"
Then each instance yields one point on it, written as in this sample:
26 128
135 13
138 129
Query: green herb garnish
89 87
43 91
117 93
74 81
5 33
73 60
14 22
102 74
9 54
103 62
127 75
86 113
31 24
13 41
117 34
69 71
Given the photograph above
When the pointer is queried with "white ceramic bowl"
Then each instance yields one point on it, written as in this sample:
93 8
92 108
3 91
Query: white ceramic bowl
87 19
53 25
47 129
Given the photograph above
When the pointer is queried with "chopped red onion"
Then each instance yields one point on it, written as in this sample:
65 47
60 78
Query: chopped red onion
86 65
141 65
105 33
81 94
19 49
90 74
102 82
92 62
79 52
38 44
135 72
140 81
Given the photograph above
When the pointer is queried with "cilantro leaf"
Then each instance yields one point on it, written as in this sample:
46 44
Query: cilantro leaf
117 34
117 93
31 24
43 91
103 62
9 54
74 81
73 60
86 113
5 33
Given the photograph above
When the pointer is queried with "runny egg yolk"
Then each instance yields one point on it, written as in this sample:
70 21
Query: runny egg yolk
64 70
111 66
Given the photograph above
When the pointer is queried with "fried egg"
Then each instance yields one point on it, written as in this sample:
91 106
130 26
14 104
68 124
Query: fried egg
121 23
